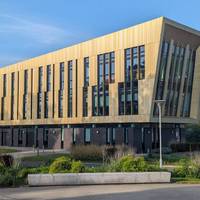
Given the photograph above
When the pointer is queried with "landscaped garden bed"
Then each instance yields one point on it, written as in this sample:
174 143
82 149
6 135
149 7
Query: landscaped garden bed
117 160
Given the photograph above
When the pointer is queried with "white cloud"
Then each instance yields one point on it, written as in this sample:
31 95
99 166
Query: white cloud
38 32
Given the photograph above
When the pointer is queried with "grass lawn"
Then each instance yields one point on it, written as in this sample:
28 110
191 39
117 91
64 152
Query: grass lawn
186 180
4 151
45 159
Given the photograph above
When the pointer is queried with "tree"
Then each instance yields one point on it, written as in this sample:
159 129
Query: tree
193 134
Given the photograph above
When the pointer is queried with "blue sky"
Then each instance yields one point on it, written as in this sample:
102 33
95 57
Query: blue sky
29 28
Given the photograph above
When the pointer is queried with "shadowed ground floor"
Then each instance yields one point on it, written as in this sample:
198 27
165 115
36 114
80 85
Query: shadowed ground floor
142 137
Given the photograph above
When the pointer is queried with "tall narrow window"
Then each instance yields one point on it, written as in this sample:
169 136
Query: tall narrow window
60 94
74 135
39 99
142 62
62 76
94 101
86 71
60 104
12 95
70 87
31 114
112 67
87 135
25 96
40 79
85 102
121 98
46 105
126 136
4 84
48 78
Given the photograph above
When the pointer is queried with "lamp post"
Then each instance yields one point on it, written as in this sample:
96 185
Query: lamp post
159 104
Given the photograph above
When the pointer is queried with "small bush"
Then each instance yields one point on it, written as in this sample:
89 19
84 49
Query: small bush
62 164
2 168
129 164
195 166
183 170
77 167
116 152
87 152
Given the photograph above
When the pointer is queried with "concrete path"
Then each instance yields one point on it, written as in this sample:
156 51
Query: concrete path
105 192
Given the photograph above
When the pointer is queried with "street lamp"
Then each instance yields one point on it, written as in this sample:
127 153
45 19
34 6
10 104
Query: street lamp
159 104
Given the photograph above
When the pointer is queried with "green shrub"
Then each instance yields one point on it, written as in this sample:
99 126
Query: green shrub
183 170
2 168
87 152
77 167
195 166
61 164
128 164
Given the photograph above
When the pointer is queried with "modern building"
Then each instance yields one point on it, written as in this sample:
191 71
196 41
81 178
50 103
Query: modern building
102 91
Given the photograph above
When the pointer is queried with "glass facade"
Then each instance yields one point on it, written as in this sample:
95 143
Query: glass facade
177 74
187 88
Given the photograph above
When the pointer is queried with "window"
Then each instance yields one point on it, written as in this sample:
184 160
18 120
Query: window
60 104
40 79
187 90
94 101
45 138
135 63
106 96
48 78
4 84
85 102
128 101
108 136
70 88
12 95
2 108
25 99
39 107
62 76
162 70
142 62
112 67
26 82
106 68
20 137
46 106
74 135
87 135
86 71
25 95
121 98
126 136
113 134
